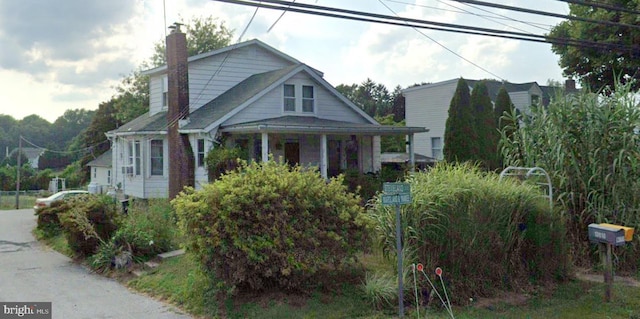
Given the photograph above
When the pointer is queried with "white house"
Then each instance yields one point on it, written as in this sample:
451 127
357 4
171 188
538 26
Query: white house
252 96
428 106
101 172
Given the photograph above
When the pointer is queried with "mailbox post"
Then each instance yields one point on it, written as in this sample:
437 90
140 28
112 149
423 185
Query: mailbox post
397 194
607 236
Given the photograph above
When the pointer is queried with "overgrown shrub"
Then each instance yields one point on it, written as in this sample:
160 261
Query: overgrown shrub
148 229
48 220
221 159
89 221
588 143
486 234
270 226
365 185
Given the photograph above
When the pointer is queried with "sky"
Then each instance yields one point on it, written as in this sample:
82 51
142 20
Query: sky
70 54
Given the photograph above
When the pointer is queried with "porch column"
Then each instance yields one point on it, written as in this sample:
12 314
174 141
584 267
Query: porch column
323 156
265 147
412 155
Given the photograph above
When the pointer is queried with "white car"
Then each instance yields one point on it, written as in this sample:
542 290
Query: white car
46 202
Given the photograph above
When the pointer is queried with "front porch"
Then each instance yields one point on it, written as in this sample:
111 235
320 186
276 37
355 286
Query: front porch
332 146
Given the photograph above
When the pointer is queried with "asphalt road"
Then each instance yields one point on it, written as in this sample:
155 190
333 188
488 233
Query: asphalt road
31 272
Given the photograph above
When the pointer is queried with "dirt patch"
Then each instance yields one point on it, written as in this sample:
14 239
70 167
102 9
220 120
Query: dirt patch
504 299
588 275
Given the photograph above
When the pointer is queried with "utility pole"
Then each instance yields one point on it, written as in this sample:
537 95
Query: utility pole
18 177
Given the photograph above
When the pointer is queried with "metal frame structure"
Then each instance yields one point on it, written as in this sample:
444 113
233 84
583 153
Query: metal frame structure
528 172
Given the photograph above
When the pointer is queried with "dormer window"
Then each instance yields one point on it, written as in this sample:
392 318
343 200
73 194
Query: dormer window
307 98
289 98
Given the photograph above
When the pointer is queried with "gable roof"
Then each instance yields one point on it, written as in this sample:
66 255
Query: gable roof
163 68
103 160
234 100
143 124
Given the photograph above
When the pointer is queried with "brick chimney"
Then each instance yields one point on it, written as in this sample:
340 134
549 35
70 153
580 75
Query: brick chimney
181 159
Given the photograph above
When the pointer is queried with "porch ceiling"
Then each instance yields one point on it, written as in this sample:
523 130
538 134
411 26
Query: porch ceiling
314 125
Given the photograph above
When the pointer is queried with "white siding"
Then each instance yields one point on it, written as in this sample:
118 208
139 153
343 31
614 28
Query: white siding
100 176
428 106
326 105
229 69
155 94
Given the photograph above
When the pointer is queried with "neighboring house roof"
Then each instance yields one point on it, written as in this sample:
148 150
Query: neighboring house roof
104 160
312 124
493 86
163 69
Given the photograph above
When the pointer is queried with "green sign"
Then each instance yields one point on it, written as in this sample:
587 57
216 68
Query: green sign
396 188
396 199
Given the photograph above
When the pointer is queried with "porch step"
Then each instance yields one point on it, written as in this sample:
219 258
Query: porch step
171 254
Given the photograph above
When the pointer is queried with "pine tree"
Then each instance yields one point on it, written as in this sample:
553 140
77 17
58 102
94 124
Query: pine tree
460 134
485 126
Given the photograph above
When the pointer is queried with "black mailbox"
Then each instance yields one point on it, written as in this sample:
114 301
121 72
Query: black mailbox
606 234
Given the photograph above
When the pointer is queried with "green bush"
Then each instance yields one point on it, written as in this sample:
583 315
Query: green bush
221 159
485 234
48 220
365 185
149 229
270 226
89 221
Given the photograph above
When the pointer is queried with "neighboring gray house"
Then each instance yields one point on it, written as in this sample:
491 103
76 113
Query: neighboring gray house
428 106
101 173
256 97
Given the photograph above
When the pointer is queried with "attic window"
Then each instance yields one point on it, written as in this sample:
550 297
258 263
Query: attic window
289 98
165 89
307 98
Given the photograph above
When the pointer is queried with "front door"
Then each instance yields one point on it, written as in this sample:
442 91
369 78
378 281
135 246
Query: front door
292 153
334 150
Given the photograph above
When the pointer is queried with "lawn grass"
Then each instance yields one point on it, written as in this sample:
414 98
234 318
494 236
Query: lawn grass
8 202
176 281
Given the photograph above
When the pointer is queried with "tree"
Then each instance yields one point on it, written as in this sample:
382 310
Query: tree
371 97
391 143
203 35
505 116
485 126
596 68
460 134
397 106
68 126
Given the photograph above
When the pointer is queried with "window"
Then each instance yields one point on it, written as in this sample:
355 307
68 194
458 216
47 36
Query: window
130 154
436 147
165 89
95 172
257 150
201 152
137 157
307 98
289 98
157 158
108 177
535 99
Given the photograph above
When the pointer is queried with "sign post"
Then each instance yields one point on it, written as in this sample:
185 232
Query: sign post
397 194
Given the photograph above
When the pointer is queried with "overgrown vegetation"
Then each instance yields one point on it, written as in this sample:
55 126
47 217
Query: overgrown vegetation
220 159
588 143
270 225
488 235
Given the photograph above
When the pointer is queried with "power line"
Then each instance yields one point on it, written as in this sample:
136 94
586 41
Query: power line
602 6
86 149
548 14
444 47
500 15
424 24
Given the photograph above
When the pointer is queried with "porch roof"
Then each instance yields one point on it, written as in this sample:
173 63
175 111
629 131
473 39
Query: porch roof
315 125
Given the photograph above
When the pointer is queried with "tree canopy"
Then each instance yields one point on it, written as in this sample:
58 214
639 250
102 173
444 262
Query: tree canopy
485 126
460 133
599 67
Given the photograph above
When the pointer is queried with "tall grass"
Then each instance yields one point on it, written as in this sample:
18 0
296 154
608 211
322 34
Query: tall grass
589 143
486 234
